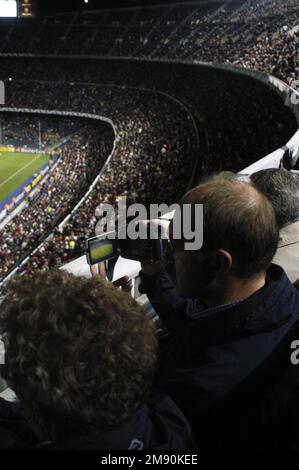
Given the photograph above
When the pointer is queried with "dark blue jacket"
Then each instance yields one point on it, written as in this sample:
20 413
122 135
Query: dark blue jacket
219 363
158 425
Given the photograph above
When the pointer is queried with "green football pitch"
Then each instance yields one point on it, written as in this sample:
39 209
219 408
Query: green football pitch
16 168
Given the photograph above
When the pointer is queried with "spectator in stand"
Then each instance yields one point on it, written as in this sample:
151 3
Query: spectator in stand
80 356
230 316
282 189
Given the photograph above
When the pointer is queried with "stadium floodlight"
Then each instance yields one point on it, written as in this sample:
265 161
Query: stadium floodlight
8 8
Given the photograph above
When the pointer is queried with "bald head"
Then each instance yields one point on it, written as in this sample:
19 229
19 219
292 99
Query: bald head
238 219
223 188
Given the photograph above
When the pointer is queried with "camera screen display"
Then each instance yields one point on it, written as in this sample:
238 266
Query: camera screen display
100 250
103 248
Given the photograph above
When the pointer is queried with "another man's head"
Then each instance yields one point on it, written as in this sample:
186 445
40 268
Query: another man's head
76 348
282 188
240 238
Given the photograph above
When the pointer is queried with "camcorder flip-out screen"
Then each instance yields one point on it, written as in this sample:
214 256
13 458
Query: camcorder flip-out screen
100 249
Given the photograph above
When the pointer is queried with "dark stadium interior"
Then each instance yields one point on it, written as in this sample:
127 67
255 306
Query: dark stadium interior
151 102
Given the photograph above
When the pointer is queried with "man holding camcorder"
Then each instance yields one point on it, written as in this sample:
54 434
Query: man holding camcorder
231 317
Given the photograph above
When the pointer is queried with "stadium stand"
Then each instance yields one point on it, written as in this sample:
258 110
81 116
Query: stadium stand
79 163
35 131
159 138
141 103
259 34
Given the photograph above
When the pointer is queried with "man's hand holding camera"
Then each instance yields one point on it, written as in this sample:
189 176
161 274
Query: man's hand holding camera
124 282
158 230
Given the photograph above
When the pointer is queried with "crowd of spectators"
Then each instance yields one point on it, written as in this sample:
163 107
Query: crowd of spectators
214 98
33 131
148 164
158 139
268 41
79 162
258 34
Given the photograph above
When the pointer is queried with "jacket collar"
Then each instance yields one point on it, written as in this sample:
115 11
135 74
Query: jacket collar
68 434
267 309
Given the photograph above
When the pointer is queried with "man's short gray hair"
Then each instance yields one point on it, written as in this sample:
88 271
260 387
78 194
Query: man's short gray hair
282 188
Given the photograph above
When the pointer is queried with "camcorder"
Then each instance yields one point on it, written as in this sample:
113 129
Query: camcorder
107 246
